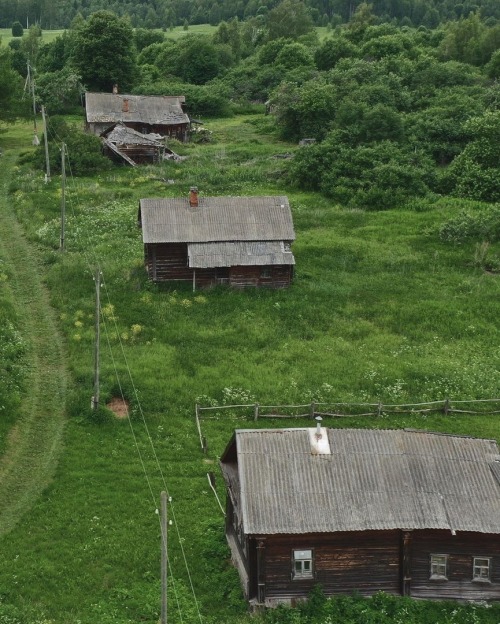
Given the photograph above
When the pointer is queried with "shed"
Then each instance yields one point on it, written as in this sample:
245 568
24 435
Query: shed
406 512
145 113
240 241
131 146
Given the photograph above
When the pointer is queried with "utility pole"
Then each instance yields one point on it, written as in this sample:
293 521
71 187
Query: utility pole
63 194
163 523
95 398
31 86
47 162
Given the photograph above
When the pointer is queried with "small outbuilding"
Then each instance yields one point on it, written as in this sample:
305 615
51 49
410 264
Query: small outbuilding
406 512
239 241
146 114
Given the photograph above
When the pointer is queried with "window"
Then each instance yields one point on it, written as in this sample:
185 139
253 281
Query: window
439 565
265 271
302 564
481 569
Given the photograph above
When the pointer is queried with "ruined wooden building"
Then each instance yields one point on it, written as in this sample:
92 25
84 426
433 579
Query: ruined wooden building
240 241
146 114
405 512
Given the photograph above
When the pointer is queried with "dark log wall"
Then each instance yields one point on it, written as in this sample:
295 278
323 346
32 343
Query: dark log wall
461 549
165 262
279 276
343 563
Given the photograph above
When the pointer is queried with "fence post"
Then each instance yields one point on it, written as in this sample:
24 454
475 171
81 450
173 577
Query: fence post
204 445
446 407
256 411
379 409
313 409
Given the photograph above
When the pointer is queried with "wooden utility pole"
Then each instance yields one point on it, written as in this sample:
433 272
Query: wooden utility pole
95 398
31 86
163 523
47 162
63 194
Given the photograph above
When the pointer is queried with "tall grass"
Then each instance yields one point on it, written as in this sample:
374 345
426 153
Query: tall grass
381 309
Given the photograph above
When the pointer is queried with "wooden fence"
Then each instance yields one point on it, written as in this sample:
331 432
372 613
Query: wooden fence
350 410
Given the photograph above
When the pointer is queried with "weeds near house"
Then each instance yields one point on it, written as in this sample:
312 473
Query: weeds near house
382 309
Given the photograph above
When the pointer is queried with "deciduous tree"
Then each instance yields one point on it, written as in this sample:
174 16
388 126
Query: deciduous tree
104 52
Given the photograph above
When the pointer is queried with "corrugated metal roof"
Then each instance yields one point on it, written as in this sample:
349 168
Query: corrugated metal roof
265 253
372 479
153 110
217 219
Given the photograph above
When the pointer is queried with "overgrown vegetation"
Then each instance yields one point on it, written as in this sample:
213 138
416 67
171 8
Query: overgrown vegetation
395 297
381 309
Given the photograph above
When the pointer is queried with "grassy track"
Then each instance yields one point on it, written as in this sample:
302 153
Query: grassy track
28 463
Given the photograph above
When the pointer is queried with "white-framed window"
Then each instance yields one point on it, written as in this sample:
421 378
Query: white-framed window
481 569
302 564
439 567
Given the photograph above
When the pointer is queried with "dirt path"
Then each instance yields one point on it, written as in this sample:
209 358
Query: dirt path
34 444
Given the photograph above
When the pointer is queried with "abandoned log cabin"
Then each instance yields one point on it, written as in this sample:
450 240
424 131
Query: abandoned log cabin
145 113
240 241
405 512
124 144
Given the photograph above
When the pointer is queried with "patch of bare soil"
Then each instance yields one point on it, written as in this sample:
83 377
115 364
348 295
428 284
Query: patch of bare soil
119 407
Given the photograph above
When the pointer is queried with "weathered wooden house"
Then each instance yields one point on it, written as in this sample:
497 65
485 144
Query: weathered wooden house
161 115
240 241
405 512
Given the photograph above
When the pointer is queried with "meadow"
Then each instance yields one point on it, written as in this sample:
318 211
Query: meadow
380 310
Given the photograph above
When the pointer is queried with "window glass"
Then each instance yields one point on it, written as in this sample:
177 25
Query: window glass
302 564
439 564
481 570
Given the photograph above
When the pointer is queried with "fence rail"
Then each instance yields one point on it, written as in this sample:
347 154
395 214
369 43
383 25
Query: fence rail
349 410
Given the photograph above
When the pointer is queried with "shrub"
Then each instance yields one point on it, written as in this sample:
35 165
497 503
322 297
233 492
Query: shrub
17 29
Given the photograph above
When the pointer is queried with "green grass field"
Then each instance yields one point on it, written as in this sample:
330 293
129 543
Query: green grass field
380 310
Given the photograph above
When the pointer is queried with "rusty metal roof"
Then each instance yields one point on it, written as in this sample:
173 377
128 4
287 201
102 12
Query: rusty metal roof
216 219
265 253
368 480
152 110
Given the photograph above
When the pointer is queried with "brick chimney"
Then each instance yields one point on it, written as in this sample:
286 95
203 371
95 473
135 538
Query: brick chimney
115 89
193 197
125 106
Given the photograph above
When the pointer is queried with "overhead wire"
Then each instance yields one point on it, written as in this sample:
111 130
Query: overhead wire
88 262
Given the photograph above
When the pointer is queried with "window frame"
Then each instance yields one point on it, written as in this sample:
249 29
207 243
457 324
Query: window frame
478 578
302 574
434 564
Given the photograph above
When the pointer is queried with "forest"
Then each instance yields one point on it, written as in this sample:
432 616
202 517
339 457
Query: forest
396 205
165 14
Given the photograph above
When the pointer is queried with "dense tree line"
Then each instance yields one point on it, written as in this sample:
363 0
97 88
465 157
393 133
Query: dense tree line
166 13
397 112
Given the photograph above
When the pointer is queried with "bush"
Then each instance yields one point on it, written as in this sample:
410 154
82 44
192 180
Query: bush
84 151
483 225
17 29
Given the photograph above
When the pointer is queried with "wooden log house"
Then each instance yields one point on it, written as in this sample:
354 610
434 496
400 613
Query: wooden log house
146 114
406 512
239 241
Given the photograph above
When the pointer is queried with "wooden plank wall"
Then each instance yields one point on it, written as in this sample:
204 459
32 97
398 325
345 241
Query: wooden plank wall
461 549
365 562
165 262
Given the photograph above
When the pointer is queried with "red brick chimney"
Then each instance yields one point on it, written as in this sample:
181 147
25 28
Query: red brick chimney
193 197
125 106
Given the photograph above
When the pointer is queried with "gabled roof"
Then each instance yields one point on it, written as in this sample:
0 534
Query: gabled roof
148 109
216 219
365 480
